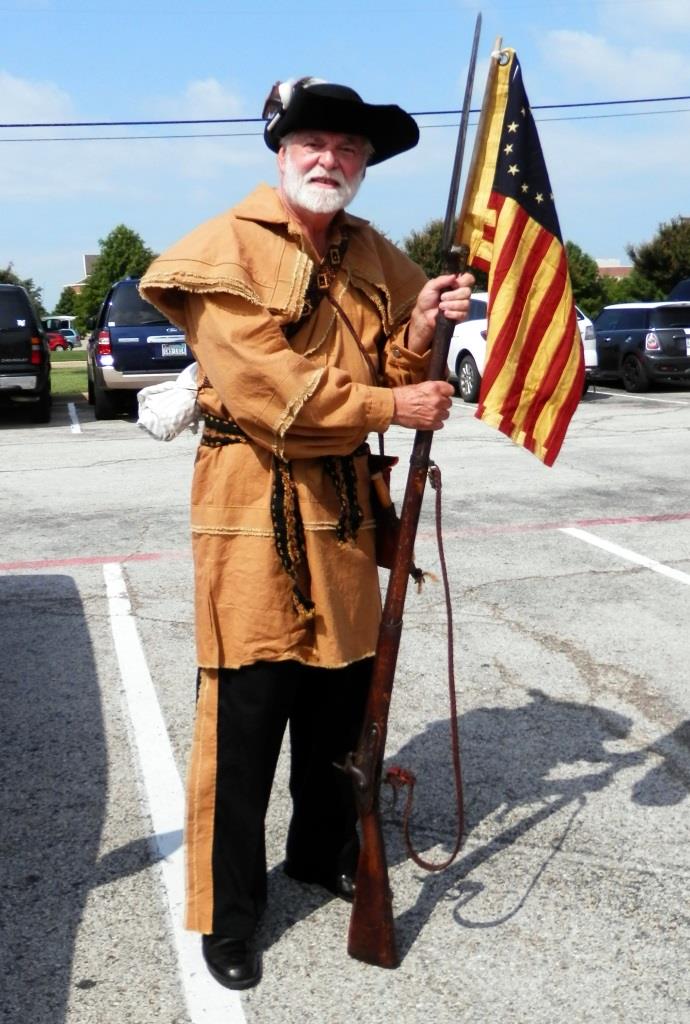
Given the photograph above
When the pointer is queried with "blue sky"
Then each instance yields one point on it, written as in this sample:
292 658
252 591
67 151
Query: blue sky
615 178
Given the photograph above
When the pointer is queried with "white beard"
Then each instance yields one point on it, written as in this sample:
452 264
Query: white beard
315 198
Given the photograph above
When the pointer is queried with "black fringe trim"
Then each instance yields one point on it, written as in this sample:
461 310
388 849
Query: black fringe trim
288 533
341 470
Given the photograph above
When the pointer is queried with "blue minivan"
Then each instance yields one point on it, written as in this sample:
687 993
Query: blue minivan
131 346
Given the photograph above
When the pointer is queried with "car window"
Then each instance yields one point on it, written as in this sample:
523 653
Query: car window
607 320
671 316
632 319
55 323
15 310
128 308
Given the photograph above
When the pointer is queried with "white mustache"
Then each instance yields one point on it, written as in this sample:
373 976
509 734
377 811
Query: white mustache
334 175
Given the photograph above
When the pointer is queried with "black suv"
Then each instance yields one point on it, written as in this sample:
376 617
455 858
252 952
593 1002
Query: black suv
681 292
643 342
24 354
131 346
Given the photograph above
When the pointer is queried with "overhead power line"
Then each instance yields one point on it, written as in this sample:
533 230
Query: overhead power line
567 106
260 120
239 135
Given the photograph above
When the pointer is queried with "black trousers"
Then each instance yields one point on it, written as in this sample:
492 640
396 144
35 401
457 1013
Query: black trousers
324 710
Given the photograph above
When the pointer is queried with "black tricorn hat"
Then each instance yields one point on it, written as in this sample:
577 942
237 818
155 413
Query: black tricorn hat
311 103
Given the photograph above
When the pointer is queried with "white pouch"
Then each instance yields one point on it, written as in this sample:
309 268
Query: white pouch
165 410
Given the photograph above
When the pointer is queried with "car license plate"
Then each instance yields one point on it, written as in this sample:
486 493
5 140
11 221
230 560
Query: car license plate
177 349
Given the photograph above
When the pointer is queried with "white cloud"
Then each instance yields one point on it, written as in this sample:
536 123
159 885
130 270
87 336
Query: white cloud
615 171
606 158
203 98
22 100
209 159
613 188
645 20
673 14
622 71
116 168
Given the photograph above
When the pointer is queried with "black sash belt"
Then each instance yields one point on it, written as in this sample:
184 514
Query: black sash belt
218 432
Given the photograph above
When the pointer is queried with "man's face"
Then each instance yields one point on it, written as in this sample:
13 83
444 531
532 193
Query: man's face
322 171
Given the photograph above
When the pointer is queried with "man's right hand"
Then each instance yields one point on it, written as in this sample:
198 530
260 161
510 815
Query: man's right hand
423 406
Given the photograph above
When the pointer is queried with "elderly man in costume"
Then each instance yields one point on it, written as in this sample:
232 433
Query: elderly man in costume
310 331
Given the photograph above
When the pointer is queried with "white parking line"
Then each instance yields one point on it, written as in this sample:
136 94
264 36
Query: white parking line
72 410
207 1002
627 554
642 398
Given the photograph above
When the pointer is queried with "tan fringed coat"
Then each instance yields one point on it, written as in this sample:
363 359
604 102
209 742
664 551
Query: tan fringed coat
231 285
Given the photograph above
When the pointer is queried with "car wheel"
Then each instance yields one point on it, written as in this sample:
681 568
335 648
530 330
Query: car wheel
468 379
105 405
89 390
635 377
41 410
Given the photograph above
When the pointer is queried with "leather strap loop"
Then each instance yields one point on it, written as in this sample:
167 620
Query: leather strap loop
399 778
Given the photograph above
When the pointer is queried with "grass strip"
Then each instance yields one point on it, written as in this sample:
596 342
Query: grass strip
70 380
76 355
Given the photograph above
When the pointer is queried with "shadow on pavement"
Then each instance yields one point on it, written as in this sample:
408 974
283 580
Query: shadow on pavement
521 767
53 786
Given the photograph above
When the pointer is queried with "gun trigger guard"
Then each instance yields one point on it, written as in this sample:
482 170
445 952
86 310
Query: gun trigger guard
350 768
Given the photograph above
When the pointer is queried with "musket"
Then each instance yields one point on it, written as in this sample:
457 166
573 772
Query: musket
372 932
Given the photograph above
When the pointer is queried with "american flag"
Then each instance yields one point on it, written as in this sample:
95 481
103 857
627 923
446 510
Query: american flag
534 368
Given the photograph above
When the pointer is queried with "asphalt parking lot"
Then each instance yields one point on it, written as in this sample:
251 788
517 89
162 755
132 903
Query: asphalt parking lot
571 596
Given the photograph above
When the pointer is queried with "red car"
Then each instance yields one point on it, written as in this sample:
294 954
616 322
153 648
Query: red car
57 341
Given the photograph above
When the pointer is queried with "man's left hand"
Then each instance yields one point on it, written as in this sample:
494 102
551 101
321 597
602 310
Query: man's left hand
449 294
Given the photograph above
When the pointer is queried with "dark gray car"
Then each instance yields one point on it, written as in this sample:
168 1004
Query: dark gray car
642 343
681 292
24 354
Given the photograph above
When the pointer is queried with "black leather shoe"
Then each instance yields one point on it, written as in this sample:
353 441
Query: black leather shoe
342 885
234 963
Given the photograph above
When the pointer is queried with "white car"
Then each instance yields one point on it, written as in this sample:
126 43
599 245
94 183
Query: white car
467 351
468 348
589 345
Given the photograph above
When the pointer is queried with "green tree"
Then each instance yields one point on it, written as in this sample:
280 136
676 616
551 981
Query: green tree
665 260
424 247
592 291
588 288
68 303
8 276
122 254
633 288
